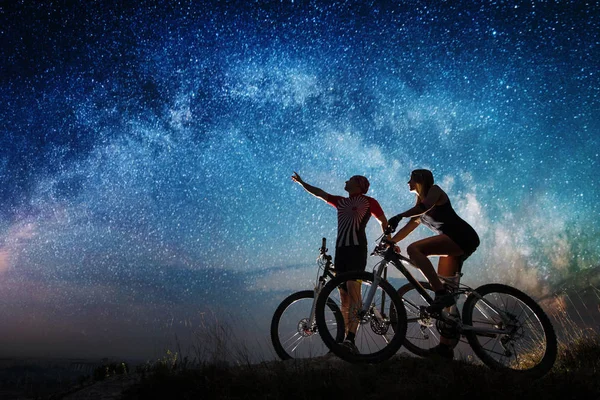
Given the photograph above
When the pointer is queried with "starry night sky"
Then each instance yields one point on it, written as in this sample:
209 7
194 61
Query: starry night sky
146 152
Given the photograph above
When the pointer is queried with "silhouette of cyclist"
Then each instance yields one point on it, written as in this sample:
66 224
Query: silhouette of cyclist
455 241
351 251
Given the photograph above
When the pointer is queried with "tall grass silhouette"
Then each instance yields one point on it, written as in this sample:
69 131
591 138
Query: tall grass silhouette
222 368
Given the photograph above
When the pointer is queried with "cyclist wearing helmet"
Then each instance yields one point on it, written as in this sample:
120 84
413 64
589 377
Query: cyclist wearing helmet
351 252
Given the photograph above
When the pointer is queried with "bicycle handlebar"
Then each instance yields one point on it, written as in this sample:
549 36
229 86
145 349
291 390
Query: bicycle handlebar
323 250
383 244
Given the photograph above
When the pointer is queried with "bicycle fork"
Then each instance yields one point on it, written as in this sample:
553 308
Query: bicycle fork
368 307
367 302
313 309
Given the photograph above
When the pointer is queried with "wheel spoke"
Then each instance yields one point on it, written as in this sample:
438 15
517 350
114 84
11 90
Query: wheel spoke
292 334
422 333
525 340
375 335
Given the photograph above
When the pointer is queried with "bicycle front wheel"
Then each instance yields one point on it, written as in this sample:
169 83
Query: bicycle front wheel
422 333
526 341
379 334
293 334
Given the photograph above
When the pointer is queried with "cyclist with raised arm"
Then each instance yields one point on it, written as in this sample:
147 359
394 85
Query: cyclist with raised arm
351 251
455 241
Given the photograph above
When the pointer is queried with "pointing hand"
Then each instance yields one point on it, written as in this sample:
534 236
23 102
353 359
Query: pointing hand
296 178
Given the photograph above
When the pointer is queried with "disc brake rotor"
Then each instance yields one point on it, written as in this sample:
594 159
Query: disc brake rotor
380 327
304 328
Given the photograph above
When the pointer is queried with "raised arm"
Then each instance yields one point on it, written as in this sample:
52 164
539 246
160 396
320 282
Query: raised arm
315 191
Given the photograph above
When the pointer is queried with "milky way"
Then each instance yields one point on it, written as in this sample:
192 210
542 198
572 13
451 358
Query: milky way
146 152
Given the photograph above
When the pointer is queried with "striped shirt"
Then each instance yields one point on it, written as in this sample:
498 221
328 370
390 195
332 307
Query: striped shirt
353 214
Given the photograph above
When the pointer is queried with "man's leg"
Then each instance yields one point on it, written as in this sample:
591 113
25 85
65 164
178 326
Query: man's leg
354 259
345 299
354 302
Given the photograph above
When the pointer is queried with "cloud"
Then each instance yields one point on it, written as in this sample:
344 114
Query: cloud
14 239
262 84
4 260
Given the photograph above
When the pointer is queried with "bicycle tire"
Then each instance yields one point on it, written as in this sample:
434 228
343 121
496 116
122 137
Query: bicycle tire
538 348
375 341
292 340
422 334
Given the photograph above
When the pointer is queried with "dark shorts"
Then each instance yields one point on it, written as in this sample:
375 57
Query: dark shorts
466 238
350 258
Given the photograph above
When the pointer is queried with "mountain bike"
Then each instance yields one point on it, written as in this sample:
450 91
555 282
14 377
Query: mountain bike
505 327
294 332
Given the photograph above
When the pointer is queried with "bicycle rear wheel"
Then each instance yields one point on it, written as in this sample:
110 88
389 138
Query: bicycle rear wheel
529 345
379 335
422 333
292 333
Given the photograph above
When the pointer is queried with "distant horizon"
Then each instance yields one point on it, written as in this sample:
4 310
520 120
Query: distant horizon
572 321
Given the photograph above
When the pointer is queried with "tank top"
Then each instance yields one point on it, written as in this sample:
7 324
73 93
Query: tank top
442 219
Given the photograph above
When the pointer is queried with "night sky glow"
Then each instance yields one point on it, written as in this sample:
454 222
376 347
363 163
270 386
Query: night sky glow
146 152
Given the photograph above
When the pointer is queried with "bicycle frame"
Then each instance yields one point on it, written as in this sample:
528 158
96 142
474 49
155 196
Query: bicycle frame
398 260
